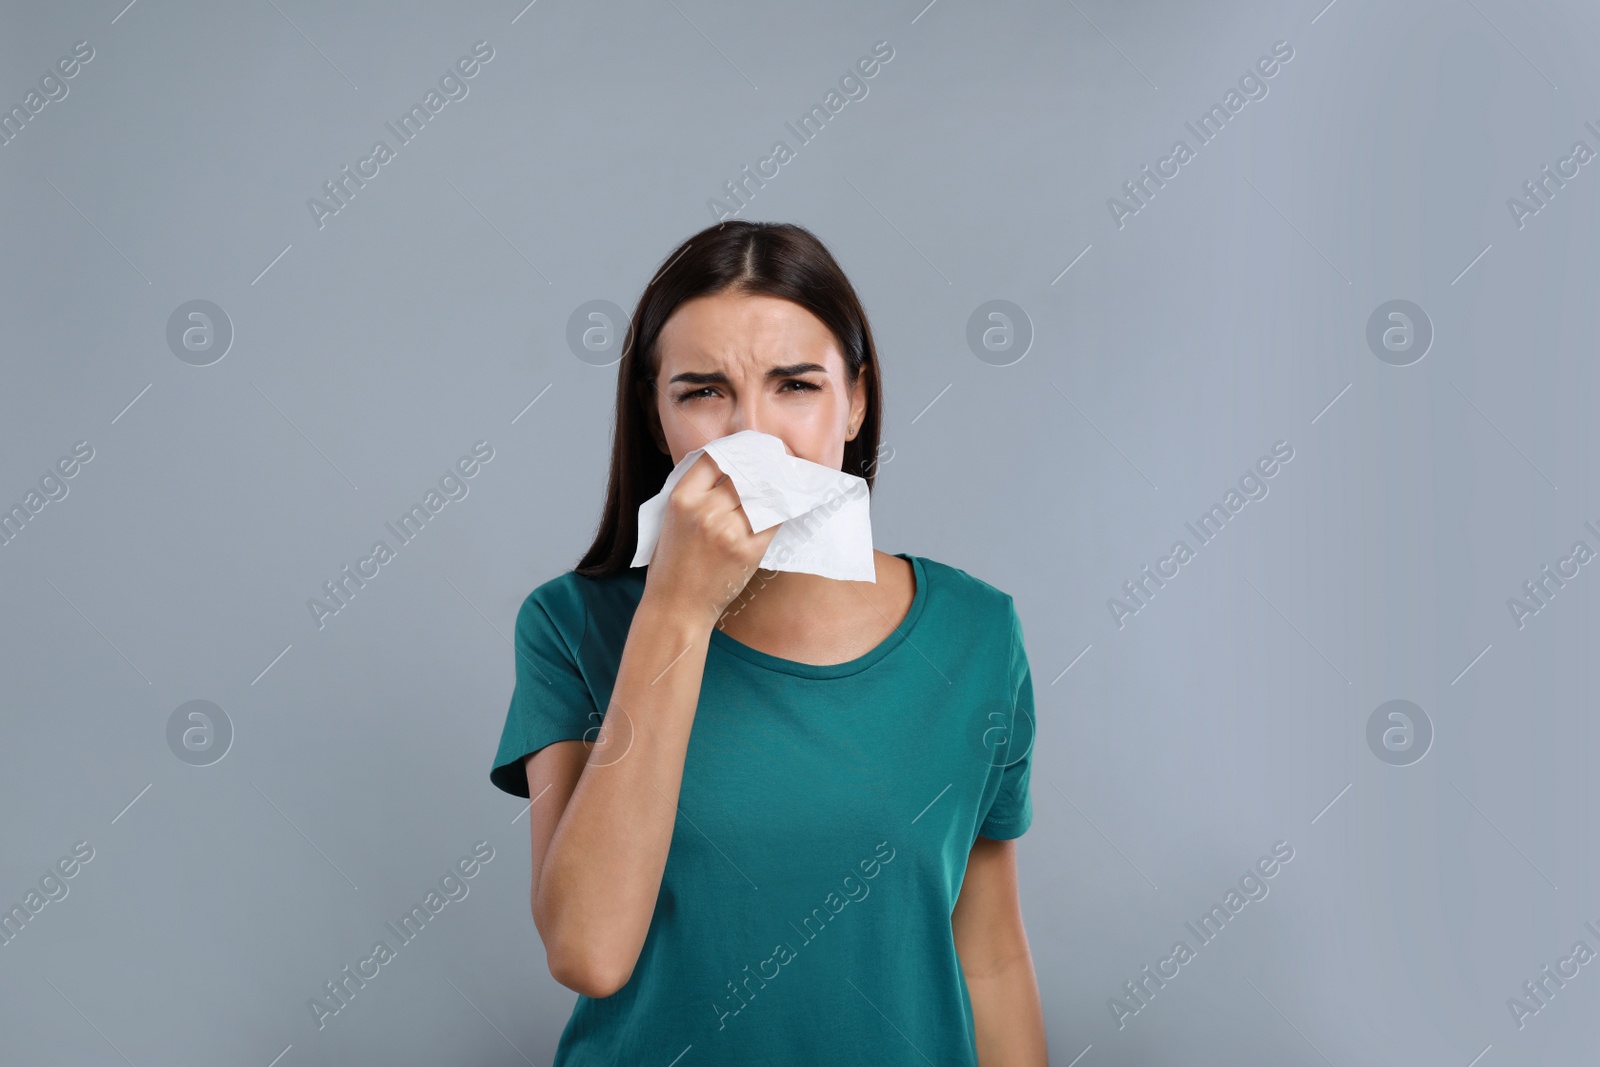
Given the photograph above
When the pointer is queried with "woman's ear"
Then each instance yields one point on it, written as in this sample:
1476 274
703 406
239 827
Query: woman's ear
858 402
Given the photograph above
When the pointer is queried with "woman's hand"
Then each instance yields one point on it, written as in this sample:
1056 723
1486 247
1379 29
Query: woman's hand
706 552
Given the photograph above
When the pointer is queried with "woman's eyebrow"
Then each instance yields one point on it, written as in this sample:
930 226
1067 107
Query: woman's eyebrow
719 378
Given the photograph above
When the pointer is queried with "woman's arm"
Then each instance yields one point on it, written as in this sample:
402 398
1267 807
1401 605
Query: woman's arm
993 948
602 824
602 820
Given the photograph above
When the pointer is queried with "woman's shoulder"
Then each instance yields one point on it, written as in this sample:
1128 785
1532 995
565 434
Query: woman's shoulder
570 598
963 590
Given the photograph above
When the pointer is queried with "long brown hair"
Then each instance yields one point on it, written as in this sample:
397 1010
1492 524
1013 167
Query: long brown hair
776 259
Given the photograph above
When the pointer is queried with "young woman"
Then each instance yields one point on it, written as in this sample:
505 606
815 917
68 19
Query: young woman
773 815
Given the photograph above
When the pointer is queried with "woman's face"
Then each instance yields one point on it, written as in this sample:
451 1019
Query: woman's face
732 362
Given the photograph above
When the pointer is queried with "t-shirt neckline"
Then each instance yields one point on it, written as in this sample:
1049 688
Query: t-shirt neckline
720 639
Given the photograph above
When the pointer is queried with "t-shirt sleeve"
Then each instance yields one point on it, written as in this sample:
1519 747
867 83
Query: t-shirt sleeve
1011 811
551 701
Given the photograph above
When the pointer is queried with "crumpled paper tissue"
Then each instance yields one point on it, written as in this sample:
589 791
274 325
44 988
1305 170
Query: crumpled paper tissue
825 514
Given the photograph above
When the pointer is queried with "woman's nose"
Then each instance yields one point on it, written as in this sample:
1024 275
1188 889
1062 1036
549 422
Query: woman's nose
750 418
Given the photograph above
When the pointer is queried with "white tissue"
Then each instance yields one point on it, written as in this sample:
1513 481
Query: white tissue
825 514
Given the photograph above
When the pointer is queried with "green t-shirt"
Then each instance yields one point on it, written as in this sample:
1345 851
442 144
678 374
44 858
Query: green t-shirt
824 823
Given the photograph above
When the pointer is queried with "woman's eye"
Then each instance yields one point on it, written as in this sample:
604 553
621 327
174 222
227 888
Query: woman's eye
805 387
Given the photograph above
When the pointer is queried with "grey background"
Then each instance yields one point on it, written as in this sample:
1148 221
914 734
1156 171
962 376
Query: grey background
1230 313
